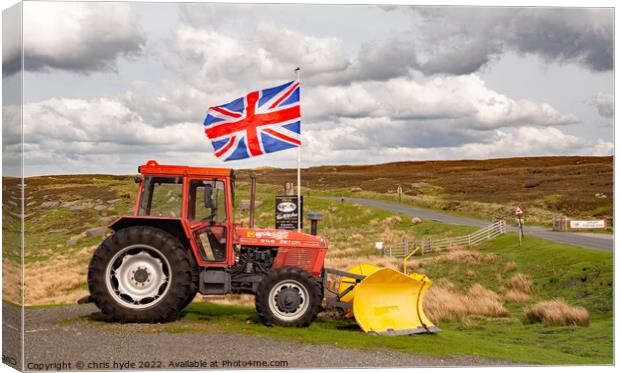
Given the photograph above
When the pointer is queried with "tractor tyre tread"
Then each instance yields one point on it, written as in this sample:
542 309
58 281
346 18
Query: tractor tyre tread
182 268
271 279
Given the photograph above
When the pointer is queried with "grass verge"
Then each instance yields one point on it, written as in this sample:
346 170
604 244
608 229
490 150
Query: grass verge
582 277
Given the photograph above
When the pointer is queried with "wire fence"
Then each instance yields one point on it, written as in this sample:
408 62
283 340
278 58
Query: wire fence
402 250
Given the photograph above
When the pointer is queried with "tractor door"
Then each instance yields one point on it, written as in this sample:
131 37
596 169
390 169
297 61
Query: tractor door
208 219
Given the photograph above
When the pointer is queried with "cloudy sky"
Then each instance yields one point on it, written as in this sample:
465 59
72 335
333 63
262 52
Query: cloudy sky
108 86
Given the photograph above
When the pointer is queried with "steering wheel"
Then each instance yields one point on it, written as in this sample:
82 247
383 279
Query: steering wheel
207 219
210 217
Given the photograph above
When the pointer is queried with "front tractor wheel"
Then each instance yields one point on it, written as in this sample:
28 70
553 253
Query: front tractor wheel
288 296
141 274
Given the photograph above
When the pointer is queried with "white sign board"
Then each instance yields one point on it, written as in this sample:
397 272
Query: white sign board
587 224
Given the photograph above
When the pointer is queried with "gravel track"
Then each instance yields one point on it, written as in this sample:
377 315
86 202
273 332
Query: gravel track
50 340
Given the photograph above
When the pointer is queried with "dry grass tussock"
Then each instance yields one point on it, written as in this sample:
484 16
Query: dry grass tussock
344 263
464 256
11 281
348 252
510 266
231 299
59 280
392 220
515 296
391 236
444 302
557 312
518 288
414 265
520 282
356 237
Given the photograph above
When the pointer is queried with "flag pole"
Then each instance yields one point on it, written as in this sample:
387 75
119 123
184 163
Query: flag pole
299 212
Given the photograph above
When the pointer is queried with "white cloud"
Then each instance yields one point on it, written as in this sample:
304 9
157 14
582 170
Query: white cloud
292 49
82 37
604 104
74 133
267 54
530 141
339 101
105 135
465 99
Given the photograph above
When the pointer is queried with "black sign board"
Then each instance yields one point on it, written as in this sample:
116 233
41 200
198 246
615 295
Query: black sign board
287 210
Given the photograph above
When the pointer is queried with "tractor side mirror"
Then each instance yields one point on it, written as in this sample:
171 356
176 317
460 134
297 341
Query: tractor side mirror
208 197
137 179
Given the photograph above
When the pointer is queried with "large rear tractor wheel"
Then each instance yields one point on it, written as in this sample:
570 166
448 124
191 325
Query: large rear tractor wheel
288 296
141 274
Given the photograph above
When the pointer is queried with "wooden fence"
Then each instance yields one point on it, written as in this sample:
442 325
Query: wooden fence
428 245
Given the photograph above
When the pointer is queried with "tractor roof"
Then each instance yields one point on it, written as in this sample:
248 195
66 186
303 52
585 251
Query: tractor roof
153 168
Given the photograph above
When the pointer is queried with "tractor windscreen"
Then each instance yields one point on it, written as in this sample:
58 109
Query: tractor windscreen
161 196
207 200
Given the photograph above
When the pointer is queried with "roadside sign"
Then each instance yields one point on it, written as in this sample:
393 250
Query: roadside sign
587 224
287 212
520 223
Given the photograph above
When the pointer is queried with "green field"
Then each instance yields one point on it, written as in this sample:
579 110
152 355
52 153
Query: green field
582 277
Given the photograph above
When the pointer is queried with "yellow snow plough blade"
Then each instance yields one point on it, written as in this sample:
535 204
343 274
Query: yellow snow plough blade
387 302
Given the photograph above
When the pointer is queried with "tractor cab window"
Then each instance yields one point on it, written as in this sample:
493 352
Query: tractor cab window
161 196
207 204
207 201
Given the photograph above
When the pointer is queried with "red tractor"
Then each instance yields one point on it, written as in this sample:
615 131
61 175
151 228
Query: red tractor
181 240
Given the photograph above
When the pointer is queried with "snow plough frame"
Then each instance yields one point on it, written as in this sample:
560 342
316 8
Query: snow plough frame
181 240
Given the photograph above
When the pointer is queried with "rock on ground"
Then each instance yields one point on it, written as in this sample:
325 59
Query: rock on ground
98 231
50 204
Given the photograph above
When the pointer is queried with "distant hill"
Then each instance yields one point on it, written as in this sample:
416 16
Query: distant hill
571 185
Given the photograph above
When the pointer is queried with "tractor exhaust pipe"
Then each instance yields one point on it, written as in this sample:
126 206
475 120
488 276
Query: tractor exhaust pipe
314 222
252 200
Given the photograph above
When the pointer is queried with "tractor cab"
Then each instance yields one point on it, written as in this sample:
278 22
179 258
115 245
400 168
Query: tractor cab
192 203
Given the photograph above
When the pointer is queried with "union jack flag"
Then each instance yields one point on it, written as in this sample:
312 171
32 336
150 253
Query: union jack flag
261 122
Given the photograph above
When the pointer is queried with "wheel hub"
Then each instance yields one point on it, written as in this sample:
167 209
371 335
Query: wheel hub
139 276
289 299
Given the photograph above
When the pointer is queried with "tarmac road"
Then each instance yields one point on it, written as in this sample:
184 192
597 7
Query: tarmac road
604 242
95 345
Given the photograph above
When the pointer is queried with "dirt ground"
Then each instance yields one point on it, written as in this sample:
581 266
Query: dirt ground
90 346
